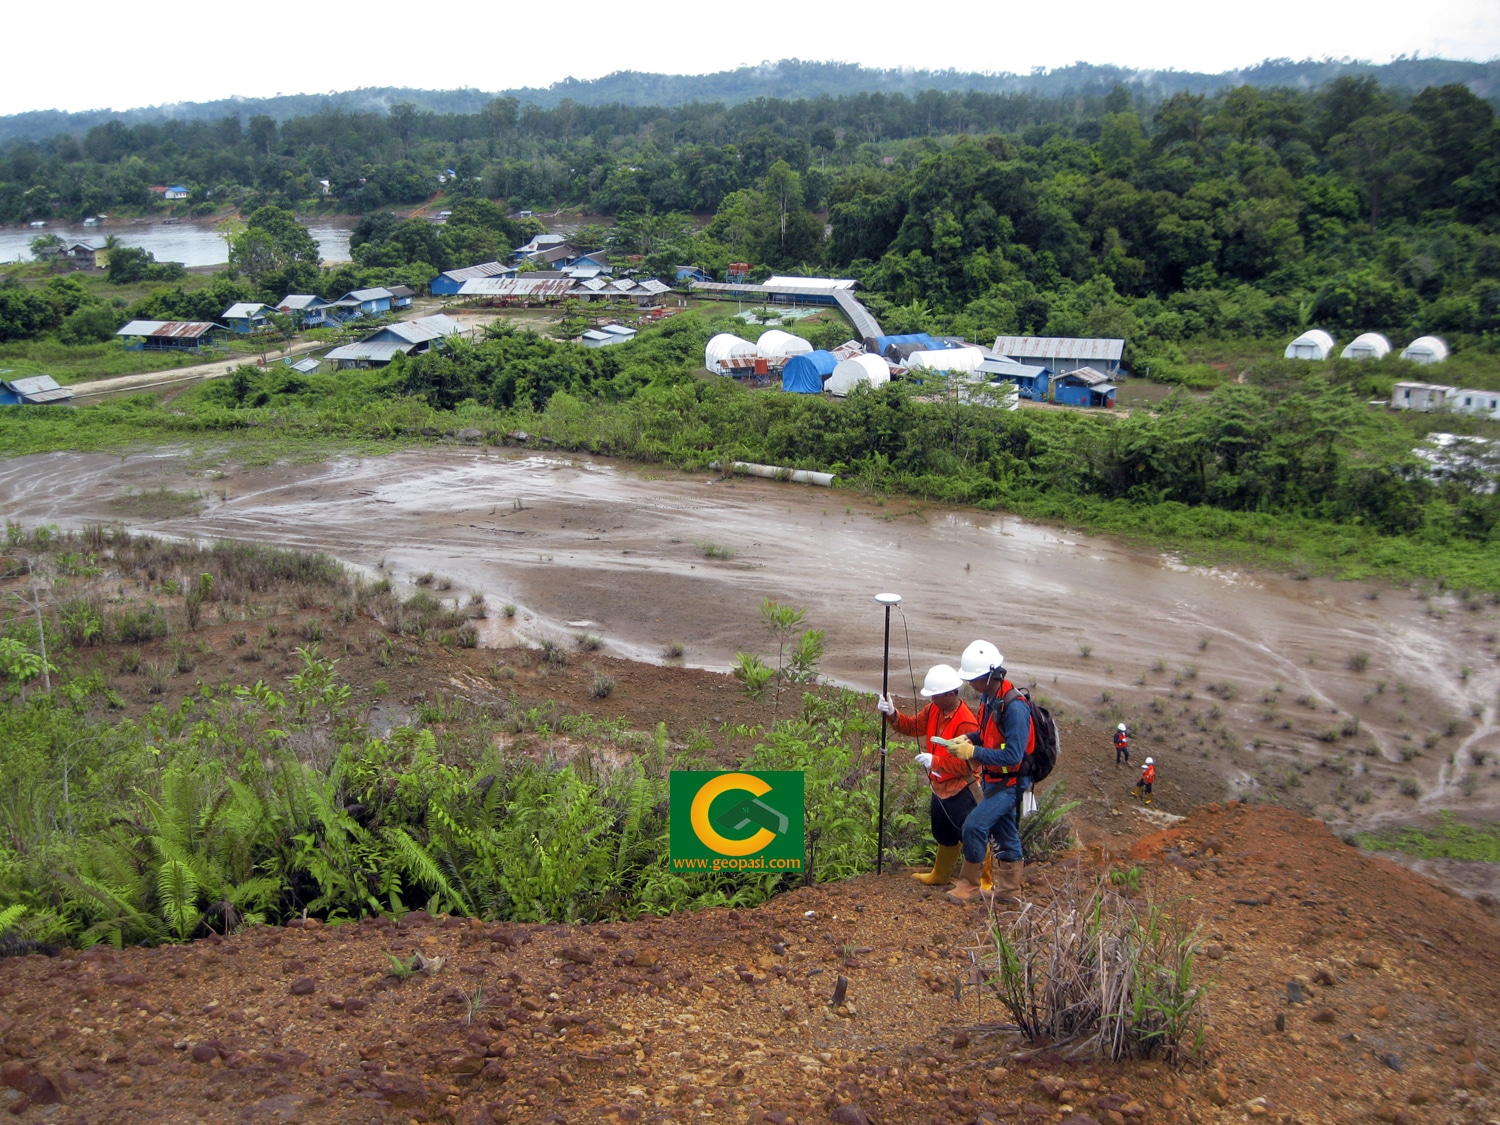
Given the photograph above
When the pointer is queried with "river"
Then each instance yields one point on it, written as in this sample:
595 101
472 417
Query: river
196 242
1353 687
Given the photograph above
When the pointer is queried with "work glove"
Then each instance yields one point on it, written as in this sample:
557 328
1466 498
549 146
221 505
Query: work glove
925 761
885 706
961 748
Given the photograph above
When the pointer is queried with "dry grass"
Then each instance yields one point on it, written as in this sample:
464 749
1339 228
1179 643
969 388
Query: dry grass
1096 973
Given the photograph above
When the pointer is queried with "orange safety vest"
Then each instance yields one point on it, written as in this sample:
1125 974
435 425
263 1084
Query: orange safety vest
993 738
1122 740
949 775
1148 775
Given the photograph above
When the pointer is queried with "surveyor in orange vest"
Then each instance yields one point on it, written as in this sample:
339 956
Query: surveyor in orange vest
1147 779
1122 745
953 782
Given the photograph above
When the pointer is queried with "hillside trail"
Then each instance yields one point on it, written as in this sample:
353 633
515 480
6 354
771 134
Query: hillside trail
730 1015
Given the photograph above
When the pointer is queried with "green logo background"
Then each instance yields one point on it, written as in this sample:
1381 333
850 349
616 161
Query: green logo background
735 816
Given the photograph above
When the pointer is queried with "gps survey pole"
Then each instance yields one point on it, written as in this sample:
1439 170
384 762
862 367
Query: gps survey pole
886 600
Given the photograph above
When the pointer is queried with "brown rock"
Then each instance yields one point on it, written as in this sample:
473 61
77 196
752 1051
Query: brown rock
1420 1095
304 986
1379 1012
1133 1109
849 1115
1218 1089
401 1090
576 954
1369 960
125 980
1213 951
1031 1109
1475 1076
467 1064
1323 1015
1054 1088
203 1053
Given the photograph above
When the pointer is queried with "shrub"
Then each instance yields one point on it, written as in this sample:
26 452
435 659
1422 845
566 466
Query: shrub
553 653
713 550
587 642
602 687
467 636
673 650
1094 972
1359 661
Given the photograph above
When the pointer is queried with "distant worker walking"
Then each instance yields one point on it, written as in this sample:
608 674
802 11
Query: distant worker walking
1147 779
1122 745
954 783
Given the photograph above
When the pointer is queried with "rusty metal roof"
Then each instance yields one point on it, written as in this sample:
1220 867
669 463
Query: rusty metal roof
177 329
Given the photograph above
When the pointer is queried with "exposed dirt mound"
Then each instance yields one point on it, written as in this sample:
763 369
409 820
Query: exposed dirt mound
728 1015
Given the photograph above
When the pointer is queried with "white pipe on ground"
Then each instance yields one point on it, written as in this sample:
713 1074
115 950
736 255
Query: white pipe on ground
776 472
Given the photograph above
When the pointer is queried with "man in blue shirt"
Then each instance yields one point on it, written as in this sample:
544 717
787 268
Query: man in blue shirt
1005 736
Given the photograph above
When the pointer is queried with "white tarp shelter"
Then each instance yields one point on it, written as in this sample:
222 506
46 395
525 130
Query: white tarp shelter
1315 344
962 360
726 346
1369 345
776 344
850 373
1425 349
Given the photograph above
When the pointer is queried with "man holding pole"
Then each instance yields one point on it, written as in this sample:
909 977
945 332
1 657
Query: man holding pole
955 788
1005 737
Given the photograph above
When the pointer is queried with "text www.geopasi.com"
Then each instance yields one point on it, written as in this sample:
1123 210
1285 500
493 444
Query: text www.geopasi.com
749 863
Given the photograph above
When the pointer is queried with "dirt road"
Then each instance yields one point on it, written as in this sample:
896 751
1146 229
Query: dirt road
219 368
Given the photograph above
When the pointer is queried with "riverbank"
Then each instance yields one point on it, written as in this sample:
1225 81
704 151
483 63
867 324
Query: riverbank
1368 705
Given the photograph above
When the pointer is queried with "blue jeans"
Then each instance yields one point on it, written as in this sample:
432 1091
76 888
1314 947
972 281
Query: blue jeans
995 817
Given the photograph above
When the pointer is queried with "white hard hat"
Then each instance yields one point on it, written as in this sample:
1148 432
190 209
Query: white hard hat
1122 726
941 679
979 660
1149 762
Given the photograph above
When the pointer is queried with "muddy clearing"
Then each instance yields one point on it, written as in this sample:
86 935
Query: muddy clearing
1367 704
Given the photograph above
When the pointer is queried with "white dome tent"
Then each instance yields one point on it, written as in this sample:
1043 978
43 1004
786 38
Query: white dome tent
961 360
860 369
725 346
1315 344
1369 345
1425 349
776 344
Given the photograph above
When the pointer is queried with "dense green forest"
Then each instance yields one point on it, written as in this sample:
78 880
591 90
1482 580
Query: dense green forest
1247 214
787 78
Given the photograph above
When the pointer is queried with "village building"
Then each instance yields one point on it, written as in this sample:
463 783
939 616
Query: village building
1084 387
172 335
450 282
406 337
1059 354
33 390
247 318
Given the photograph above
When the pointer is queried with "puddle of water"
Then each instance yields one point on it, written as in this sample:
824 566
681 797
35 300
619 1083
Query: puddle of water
570 540
198 243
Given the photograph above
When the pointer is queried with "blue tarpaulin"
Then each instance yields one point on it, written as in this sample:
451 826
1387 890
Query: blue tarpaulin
804 374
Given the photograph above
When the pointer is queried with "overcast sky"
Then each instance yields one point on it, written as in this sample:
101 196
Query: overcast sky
137 57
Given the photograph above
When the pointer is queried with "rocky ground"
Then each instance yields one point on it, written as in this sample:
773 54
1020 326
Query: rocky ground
730 1016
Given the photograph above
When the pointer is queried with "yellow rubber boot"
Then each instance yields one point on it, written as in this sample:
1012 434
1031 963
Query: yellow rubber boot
942 867
986 877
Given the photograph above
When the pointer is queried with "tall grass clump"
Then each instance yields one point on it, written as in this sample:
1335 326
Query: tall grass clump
1094 973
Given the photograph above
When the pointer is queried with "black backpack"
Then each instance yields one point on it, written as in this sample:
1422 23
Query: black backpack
1039 764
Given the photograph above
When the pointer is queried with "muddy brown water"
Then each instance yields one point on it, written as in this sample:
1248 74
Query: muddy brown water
595 546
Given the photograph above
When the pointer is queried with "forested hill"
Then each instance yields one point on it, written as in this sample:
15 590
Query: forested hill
789 78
